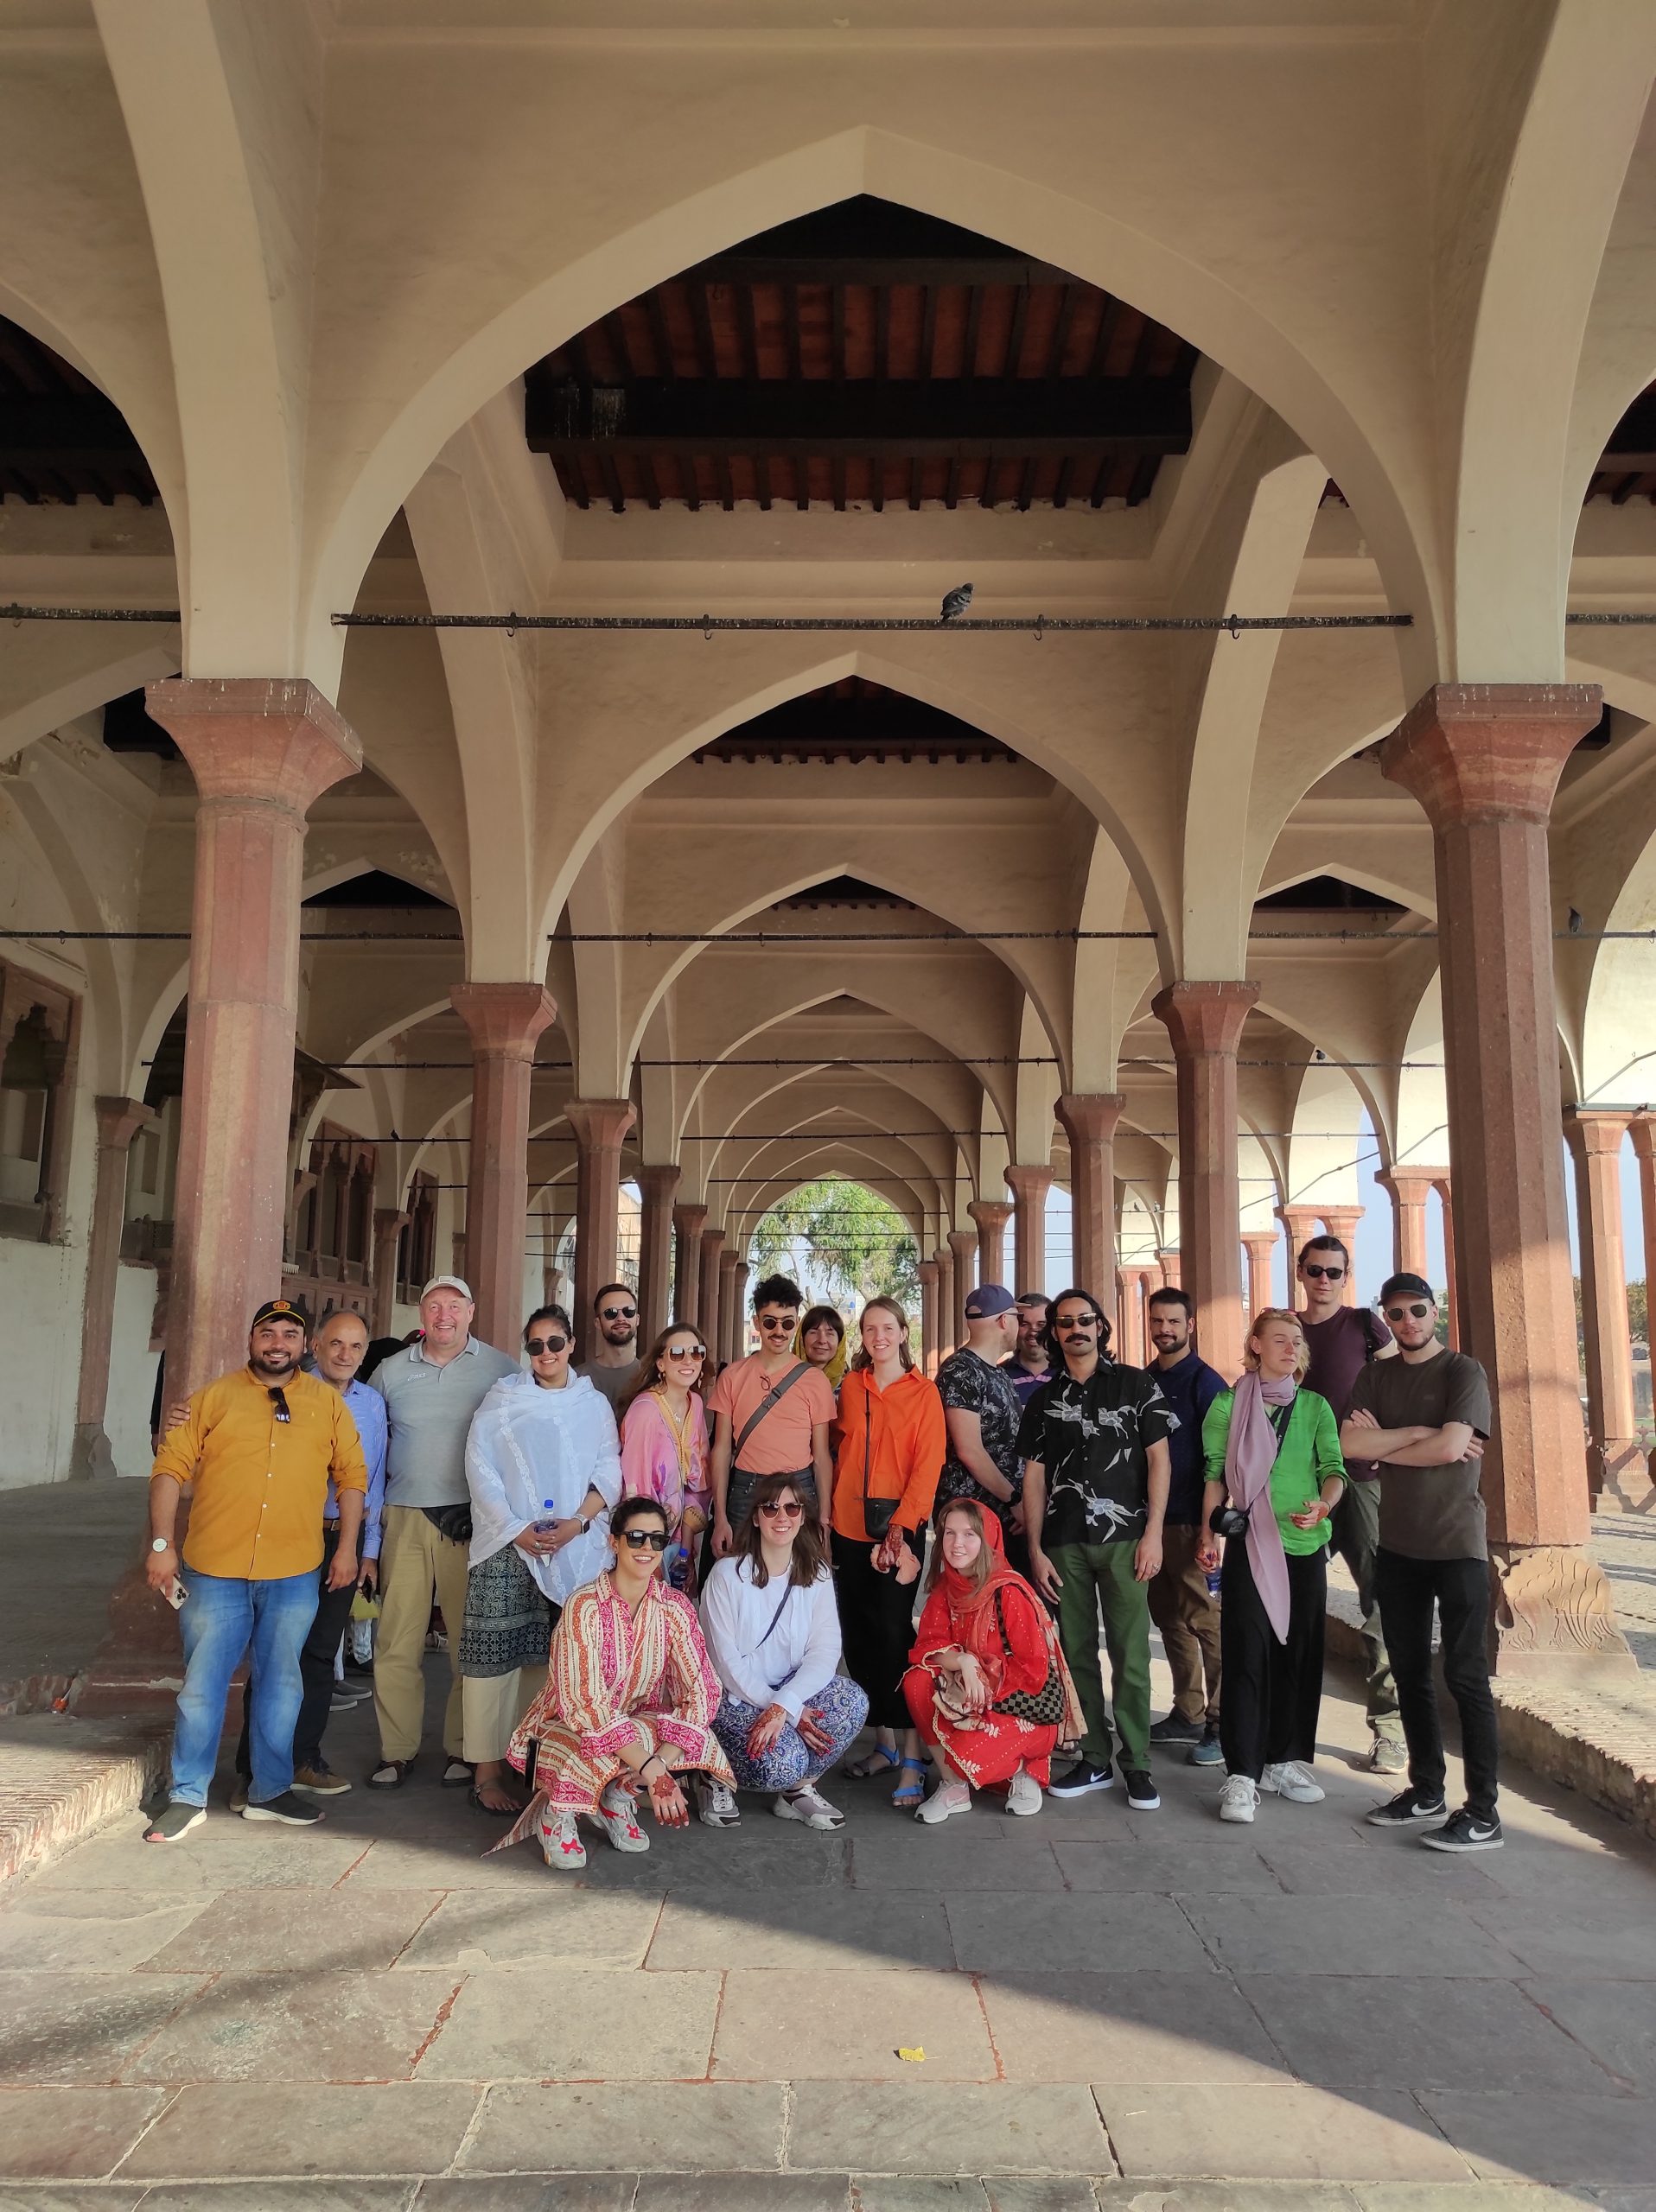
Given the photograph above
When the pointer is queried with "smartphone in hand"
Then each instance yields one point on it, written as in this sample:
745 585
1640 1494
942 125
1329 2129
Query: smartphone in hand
176 1593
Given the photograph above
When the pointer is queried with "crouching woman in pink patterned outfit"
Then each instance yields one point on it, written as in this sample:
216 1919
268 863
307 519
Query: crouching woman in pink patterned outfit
630 1698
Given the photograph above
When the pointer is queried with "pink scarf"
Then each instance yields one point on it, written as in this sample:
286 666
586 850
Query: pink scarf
1250 1454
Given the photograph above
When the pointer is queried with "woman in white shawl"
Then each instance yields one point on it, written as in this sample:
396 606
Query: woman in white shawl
543 1463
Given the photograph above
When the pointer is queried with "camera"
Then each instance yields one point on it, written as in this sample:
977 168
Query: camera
1228 1521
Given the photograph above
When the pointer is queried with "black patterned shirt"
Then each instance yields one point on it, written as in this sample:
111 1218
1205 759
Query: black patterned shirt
1093 1438
971 1385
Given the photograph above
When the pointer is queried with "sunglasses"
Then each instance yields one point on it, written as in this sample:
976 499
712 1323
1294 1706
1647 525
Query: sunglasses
637 1540
1322 1274
535 1346
789 1508
1079 1327
279 1405
1411 1313
773 1324
685 1351
618 1314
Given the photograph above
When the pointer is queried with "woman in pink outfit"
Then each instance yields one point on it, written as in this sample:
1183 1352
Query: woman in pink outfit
664 1440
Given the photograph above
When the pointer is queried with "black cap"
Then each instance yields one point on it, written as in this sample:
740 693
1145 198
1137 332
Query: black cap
988 1299
281 1309
1407 1286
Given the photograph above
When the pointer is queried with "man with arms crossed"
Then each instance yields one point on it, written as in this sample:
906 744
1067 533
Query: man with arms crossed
1181 1605
1424 1415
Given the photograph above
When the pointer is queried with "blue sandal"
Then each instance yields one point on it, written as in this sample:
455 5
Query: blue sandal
869 1765
907 1794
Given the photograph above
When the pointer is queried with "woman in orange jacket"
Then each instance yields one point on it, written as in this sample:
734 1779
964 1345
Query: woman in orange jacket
889 1443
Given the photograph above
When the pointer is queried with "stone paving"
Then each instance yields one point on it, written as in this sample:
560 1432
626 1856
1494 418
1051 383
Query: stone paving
1145 2010
1625 1546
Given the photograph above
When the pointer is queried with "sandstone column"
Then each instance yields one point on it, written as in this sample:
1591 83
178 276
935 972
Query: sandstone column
1411 1189
1089 1120
1168 1259
947 1307
1484 761
963 1245
1342 1221
992 1216
119 1121
707 1295
1029 1187
504 1020
689 1221
1261 1246
655 1188
1445 1189
1644 1147
727 1304
1205 1023
742 1275
1300 1224
927 1270
1595 1139
389 1223
261 754
600 1126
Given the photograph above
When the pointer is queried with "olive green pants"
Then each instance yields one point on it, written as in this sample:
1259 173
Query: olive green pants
1098 1579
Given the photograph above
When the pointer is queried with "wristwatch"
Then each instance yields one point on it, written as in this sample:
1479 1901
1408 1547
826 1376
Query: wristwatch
161 1543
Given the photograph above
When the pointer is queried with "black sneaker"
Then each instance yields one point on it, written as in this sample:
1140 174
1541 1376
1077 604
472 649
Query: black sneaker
1173 1730
291 1810
1140 1790
1408 1809
1464 1831
1082 1779
1208 1751
174 1820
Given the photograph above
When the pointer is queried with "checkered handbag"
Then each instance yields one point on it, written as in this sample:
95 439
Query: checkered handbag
1041 1709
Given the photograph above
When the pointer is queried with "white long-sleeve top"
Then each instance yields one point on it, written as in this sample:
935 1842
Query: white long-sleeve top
528 1445
791 1665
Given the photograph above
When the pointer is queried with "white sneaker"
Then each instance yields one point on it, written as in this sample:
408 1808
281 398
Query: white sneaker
948 1797
810 1806
1294 1782
619 1819
715 1804
560 1840
1024 1794
1238 1798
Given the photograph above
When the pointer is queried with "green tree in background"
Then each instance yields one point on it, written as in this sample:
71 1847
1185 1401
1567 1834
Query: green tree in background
850 1245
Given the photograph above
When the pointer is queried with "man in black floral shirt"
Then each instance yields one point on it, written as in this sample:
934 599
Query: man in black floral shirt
983 1412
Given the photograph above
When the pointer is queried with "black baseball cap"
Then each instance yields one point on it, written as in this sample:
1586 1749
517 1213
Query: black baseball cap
1407 1286
281 1309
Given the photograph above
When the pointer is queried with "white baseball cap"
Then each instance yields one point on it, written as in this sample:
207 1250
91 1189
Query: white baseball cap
448 1283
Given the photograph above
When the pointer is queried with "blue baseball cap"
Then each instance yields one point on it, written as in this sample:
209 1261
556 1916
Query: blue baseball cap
988 1299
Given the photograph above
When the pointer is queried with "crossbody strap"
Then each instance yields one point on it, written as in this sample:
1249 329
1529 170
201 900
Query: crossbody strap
777 1391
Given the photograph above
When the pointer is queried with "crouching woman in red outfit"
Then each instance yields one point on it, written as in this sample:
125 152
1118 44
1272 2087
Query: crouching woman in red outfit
986 1685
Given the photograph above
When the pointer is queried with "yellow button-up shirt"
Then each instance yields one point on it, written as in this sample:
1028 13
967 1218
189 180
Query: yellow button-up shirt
259 1483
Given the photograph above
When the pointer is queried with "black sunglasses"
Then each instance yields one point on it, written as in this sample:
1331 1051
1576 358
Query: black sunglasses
1414 1312
619 1314
535 1346
636 1540
1321 1274
1078 1326
775 1321
279 1404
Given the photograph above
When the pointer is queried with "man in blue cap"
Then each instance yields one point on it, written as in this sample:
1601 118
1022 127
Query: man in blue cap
983 1412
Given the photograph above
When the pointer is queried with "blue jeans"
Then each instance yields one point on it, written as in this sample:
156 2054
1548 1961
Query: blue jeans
219 1620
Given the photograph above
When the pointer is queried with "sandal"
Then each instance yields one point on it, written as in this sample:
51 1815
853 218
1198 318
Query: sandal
390 1774
459 1774
878 1761
907 1794
495 1812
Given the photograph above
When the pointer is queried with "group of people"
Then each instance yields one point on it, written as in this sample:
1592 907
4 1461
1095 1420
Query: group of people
646 1585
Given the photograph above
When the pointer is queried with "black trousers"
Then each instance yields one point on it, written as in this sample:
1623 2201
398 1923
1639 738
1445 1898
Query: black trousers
1270 1693
315 1665
877 1625
1407 1589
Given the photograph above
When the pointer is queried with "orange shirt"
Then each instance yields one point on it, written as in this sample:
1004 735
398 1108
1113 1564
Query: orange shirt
902 1435
781 1443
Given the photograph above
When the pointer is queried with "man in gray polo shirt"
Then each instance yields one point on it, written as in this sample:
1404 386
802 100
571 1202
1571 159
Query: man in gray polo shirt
431 1391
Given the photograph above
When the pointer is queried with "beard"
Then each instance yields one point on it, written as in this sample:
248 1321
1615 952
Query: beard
274 1364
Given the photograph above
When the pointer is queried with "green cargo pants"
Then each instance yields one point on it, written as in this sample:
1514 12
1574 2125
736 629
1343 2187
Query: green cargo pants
1100 1578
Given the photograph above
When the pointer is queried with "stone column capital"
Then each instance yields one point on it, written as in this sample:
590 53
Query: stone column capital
990 1213
927 1270
1091 1117
963 1243
1591 1131
388 1220
1489 752
1642 1128
504 1020
688 1218
599 1125
659 1182
1169 1263
119 1121
276 741
1204 1020
1028 1182
1411 1185
711 1240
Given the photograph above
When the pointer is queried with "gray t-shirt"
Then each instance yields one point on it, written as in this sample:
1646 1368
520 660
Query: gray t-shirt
612 1383
429 1410
1429 1512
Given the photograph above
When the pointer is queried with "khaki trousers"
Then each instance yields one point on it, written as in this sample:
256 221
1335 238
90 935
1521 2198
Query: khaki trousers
1189 1619
493 1704
415 1562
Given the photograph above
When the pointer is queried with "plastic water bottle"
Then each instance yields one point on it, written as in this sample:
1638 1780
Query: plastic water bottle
547 1520
1213 1582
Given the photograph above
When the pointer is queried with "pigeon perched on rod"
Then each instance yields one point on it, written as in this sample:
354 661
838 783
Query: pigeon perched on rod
956 602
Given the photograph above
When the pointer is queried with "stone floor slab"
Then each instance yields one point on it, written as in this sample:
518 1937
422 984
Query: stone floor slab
237 2131
918 2193
71 2134
530 2193
724 1862
1028 2193
1229 1864
299 2027
1227 2196
1614 2020
939 2128
740 2193
472 1930
1579 2139
575 2026
1126 1934
279 2196
1126 2027
1476 2197
661 2126
1574 1936
104 1931
228 1854
953 1858
784 1929
276 1930
1347 1936
1288 2133
1408 2033
96 2196
82 2027
850 2027
1397 1866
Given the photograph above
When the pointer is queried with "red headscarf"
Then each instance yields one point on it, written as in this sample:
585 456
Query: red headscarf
971 1605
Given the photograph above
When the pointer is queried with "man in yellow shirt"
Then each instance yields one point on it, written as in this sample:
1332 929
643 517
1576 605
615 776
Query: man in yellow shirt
257 1449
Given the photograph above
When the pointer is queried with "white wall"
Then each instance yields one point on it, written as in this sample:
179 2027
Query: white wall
41 1287
132 1370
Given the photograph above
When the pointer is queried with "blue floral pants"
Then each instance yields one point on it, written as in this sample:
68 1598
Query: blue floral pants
840 1708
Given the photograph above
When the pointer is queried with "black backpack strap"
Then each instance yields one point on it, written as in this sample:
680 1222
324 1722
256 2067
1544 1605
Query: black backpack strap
777 1391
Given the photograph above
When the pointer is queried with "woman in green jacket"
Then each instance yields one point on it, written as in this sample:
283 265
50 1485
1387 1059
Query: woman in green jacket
1272 1453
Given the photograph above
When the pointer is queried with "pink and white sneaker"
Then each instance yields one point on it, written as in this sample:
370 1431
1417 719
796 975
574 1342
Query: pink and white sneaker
560 1840
619 1817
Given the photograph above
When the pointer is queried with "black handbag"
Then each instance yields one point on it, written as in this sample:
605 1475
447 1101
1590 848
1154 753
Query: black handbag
454 1522
1041 1709
876 1512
